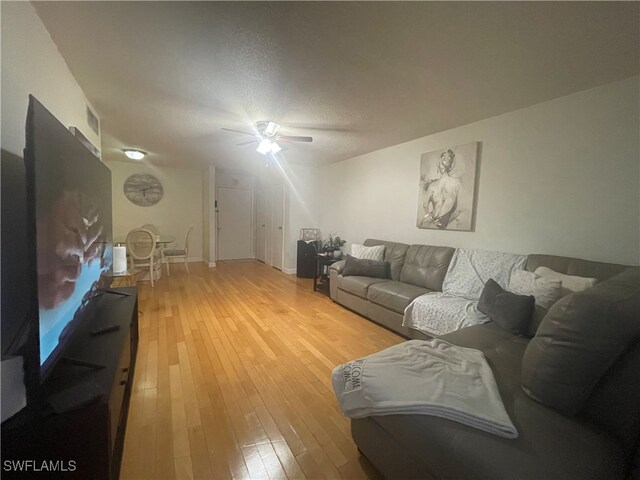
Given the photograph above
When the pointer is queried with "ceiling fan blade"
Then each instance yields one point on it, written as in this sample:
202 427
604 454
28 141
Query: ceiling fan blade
295 138
238 131
247 143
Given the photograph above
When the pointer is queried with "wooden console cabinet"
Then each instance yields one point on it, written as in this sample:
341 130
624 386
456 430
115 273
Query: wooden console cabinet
80 433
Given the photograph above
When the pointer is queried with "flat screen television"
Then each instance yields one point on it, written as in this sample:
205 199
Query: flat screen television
69 210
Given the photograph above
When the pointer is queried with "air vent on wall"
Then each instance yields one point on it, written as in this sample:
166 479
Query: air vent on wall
92 120
85 141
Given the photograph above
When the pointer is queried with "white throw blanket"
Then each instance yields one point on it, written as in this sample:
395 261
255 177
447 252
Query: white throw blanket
424 378
456 306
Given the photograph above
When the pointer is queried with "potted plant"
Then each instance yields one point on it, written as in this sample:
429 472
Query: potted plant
333 245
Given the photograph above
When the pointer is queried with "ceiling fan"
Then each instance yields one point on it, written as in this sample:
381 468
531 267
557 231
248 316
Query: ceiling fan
266 135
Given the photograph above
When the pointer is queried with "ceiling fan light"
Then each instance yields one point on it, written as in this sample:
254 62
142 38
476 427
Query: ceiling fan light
275 148
272 129
134 154
264 147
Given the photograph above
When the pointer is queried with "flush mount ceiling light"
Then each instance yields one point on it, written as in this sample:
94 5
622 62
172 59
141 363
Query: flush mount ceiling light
134 154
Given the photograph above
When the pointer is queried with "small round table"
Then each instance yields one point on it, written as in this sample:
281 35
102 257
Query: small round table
124 277
163 240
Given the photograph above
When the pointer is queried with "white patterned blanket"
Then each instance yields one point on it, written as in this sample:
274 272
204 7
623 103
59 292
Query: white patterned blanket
424 378
457 305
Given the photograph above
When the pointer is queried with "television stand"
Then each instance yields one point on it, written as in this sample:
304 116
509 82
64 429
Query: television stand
83 416
117 292
82 363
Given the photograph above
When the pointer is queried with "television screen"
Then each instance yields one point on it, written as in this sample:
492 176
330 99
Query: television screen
70 193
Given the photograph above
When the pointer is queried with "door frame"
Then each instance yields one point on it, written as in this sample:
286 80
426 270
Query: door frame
269 258
252 216
261 195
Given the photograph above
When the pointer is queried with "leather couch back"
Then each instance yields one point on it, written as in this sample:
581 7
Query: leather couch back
585 357
569 266
394 253
426 266
574 266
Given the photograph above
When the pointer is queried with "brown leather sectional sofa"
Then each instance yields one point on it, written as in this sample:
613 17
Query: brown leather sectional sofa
599 438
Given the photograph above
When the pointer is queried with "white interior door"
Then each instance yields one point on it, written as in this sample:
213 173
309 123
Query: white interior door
235 223
276 225
261 224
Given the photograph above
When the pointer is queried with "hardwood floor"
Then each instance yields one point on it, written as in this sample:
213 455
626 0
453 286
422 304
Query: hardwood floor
233 378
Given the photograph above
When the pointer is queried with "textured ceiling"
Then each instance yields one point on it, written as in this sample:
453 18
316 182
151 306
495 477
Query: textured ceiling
167 76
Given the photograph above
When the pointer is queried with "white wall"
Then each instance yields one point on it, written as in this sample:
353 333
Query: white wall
31 64
561 177
301 197
180 207
239 180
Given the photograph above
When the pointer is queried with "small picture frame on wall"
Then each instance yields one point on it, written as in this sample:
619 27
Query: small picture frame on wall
447 188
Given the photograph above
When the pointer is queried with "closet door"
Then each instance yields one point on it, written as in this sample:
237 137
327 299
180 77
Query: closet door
276 225
235 223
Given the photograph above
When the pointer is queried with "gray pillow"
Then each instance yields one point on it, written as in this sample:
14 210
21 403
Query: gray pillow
580 338
511 311
365 268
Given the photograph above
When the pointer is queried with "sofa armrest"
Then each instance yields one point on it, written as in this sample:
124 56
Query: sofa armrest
337 266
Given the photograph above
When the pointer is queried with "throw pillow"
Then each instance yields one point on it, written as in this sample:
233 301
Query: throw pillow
512 312
570 283
368 253
546 291
365 268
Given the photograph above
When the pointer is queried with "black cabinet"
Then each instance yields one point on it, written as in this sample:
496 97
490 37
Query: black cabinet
306 265
80 431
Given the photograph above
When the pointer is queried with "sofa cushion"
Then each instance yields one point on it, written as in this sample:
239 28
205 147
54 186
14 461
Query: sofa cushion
365 268
510 311
394 295
613 406
357 285
549 445
580 338
394 253
426 266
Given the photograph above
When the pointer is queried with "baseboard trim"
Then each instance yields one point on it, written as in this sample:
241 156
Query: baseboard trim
289 271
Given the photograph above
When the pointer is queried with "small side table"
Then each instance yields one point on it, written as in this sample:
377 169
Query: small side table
125 279
321 278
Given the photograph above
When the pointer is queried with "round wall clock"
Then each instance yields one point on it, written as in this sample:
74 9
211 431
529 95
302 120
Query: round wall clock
143 189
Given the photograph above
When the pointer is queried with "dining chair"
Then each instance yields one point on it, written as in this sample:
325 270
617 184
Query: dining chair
141 245
167 255
152 228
